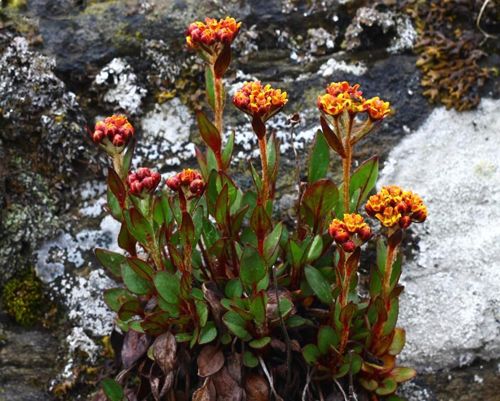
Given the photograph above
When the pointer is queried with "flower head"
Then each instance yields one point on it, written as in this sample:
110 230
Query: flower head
188 180
377 109
143 181
113 133
392 206
212 33
258 100
342 96
350 232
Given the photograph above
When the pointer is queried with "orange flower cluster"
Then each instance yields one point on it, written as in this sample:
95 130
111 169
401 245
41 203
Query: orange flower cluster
258 100
392 206
187 179
115 129
350 232
143 181
341 96
207 34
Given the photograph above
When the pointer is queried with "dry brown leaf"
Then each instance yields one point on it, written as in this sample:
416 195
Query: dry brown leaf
134 347
205 392
256 387
164 352
210 361
226 387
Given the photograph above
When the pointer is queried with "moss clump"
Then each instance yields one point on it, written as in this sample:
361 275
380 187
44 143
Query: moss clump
23 299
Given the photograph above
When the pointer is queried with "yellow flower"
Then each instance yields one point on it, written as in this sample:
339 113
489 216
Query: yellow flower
392 206
377 109
258 100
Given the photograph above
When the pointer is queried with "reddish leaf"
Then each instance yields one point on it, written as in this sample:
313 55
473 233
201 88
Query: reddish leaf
257 388
156 323
115 184
164 352
259 127
223 61
142 268
209 133
332 139
126 241
135 346
260 222
210 361
130 309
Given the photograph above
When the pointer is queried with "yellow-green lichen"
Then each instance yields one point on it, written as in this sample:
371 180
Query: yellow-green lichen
23 299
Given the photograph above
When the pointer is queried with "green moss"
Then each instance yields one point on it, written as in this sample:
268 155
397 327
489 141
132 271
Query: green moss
23 299
17 4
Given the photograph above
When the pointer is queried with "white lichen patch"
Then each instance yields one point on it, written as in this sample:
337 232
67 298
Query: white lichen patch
451 304
406 35
79 341
54 255
333 66
166 135
122 88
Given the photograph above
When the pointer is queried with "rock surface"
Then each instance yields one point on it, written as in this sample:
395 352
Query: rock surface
451 305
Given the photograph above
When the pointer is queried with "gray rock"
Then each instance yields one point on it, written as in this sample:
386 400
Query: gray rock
38 112
451 305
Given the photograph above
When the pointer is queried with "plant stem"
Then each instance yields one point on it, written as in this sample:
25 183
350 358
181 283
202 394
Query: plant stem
218 111
265 173
346 165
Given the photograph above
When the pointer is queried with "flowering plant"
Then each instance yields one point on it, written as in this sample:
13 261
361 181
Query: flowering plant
220 301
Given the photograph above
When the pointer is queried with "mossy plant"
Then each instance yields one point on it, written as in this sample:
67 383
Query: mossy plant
23 299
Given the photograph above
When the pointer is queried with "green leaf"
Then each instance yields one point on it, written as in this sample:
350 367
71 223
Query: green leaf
272 241
233 288
249 360
142 268
369 385
207 333
388 386
318 202
183 337
398 341
327 338
209 133
258 309
402 374
296 321
311 353
116 297
315 250
364 178
252 267
260 343
168 286
202 311
222 206
228 150
319 285
162 213
236 324
392 317
210 87
125 240
319 158
138 226
134 282
112 389
112 261
130 309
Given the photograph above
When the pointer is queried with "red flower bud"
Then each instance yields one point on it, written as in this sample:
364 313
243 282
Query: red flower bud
365 233
349 246
405 221
341 236
196 187
174 183
143 181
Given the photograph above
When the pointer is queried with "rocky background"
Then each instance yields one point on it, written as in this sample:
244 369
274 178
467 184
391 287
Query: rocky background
65 63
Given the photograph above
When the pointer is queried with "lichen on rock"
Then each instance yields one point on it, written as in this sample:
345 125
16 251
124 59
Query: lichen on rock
450 307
